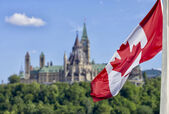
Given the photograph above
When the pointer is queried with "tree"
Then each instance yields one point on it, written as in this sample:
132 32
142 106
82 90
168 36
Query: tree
122 110
14 79
102 107
143 109
145 77
64 98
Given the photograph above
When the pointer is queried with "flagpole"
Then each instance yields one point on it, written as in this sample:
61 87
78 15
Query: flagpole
164 100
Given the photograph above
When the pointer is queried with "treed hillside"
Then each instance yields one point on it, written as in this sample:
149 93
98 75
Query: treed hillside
64 98
151 73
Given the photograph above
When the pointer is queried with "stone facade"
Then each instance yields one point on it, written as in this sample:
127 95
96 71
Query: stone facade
136 76
76 68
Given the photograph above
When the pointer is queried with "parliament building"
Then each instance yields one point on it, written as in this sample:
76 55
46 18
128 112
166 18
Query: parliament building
76 68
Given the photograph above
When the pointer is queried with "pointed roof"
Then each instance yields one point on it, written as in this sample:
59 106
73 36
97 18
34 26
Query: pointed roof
27 54
84 34
42 54
77 43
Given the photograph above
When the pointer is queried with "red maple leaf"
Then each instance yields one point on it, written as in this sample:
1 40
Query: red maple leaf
127 57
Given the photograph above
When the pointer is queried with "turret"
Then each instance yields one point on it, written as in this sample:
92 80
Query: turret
27 65
51 63
65 64
77 56
77 43
85 43
42 60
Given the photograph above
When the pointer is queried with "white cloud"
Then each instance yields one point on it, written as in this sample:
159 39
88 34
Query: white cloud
23 20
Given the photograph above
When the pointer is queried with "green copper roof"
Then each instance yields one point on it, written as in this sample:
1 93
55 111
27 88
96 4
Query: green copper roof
42 54
84 35
98 67
50 69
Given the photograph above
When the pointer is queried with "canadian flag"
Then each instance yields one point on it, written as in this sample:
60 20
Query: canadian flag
141 45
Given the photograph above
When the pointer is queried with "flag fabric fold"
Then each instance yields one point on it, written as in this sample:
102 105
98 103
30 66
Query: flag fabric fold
141 45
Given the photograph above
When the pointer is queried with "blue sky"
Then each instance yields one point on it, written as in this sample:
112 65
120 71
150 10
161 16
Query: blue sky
51 27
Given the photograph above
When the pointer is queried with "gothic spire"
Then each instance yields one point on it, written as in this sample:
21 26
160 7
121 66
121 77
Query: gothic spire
84 34
77 43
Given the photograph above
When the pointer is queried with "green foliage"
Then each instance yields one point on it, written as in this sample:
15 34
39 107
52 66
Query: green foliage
102 107
131 92
144 110
121 110
145 77
14 79
64 98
